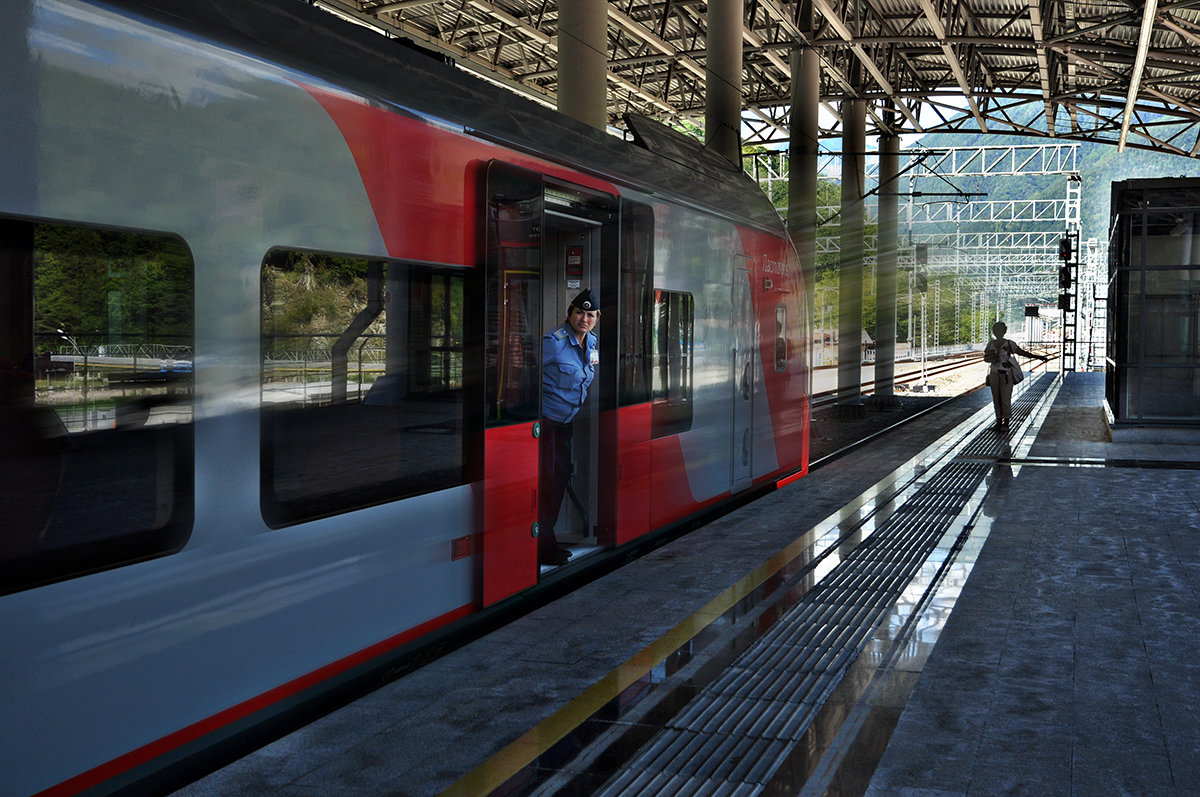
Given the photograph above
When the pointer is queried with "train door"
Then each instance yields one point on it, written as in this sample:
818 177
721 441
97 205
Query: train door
545 241
745 370
512 380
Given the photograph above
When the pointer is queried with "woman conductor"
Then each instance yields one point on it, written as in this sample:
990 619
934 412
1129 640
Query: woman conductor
569 358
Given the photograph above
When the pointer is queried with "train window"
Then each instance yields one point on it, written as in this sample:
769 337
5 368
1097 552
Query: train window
637 261
95 400
781 353
671 376
362 383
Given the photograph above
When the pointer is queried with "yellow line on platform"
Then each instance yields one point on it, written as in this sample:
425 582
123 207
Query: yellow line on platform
497 770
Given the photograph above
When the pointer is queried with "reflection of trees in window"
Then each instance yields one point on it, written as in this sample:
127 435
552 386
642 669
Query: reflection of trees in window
362 383
671 375
304 293
95 400
107 288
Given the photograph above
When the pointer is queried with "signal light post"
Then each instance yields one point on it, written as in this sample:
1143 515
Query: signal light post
1068 269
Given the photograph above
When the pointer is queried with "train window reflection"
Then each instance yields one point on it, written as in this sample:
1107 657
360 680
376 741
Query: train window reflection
637 254
95 400
671 376
362 387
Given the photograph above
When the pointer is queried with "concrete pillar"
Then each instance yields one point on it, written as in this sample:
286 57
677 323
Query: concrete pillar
723 80
804 138
850 276
887 256
583 61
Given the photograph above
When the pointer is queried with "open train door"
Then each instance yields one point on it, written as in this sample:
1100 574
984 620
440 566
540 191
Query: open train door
745 377
512 379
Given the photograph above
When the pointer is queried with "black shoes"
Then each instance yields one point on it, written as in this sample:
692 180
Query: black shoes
554 556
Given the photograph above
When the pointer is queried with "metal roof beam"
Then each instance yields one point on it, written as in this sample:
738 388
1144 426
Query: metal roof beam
1139 66
638 91
939 31
1043 62
523 26
843 30
641 33
402 5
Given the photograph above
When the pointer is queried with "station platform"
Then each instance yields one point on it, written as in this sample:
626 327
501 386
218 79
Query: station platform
947 610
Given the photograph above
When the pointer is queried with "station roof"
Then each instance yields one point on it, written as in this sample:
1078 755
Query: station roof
1088 70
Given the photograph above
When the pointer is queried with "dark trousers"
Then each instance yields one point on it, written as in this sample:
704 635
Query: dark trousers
553 475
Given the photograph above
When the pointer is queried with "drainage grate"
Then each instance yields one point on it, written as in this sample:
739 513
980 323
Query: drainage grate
992 444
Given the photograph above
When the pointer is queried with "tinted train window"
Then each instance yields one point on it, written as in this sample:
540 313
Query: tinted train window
513 350
637 256
95 400
362 383
671 375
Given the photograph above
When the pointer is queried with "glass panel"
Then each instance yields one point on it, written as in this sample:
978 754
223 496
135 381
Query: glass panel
512 359
96 400
1168 393
1169 317
637 252
1167 239
362 392
1127 380
1127 346
671 378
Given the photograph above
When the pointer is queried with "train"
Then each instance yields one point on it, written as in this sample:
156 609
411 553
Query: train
275 289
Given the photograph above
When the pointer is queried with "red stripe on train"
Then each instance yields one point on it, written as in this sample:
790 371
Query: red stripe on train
147 753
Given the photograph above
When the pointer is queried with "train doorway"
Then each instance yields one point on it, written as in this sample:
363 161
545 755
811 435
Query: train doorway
579 232
545 242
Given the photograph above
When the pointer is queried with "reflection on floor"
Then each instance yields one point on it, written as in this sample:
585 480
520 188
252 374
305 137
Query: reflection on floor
579 551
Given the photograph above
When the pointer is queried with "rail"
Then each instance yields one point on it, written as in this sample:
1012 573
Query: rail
932 369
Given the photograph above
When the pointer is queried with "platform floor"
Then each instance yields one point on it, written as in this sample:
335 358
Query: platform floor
1044 640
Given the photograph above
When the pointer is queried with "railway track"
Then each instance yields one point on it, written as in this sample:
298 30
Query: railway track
933 369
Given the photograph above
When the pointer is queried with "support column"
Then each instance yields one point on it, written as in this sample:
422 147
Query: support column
583 61
850 277
723 80
887 256
804 142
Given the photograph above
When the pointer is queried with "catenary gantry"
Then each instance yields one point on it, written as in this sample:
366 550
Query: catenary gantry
1127 73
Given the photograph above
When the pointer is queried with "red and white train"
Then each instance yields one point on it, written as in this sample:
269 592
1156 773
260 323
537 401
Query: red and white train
274 294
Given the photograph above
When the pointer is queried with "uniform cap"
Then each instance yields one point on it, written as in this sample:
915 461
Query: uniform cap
586 300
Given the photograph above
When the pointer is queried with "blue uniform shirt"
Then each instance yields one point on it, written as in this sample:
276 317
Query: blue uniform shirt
567 370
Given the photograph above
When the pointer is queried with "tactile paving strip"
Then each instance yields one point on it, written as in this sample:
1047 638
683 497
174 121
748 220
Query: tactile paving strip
732 737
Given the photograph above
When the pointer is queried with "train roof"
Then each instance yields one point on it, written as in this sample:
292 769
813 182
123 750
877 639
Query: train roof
296 34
